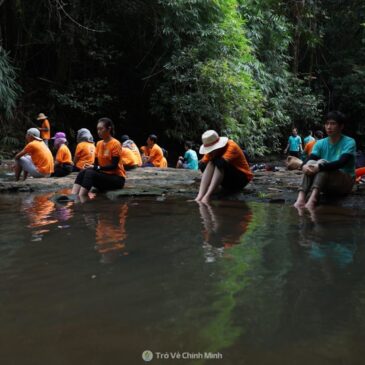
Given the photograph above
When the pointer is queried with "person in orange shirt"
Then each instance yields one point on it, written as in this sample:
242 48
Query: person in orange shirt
223 163
129 159
107 172
153 154
309 146
45 129
35 159
85 150
128 143
63 162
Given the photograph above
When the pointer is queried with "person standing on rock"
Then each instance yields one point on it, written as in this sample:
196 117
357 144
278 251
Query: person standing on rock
45 128
35 159
294 146
107 172
330 168
223 164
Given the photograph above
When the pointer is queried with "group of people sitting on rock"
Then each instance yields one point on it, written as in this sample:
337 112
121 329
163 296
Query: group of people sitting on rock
329 166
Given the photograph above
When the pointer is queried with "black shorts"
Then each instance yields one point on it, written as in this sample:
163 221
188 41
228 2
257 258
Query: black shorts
234 179
294 153
62 170
89 178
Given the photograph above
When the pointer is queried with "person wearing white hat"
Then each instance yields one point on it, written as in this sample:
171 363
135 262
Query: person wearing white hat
224 164
35 159
45 128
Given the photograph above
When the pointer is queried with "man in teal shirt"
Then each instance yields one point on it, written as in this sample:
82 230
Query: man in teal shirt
330 168
190 159
294 144
308 138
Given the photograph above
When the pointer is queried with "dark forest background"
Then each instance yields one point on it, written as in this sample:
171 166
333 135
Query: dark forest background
250 69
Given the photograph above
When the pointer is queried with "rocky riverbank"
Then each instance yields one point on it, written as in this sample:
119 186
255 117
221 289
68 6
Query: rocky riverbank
267 186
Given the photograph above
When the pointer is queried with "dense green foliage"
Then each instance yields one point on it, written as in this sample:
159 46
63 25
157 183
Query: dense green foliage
248 68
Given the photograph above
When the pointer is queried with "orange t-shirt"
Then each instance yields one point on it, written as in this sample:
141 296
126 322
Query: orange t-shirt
163 163
41 156
309 147
63 155
234 155
136 153
106 151
46 134
145 150
128 157
156 155
84 154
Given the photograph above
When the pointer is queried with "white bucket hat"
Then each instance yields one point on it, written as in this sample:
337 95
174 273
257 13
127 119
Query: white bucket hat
211 141
41 116
34 132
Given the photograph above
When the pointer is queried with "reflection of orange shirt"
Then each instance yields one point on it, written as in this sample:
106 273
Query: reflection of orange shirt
46 134
39 212
41 156
84 154
106 151
110 236
128 157
63 155
309 147
156 155
234 155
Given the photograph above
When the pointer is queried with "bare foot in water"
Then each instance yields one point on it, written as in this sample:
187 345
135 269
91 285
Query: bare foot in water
311 204
205 200
299 204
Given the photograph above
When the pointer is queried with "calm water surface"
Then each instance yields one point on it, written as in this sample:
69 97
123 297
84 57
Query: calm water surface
100 282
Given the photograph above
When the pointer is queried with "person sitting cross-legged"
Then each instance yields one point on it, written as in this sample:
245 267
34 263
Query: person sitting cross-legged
190 159
224 164
63 164
85 150
330 168
107 172
153 155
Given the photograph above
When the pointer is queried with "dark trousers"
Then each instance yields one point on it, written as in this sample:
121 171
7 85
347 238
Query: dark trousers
62 170
89 178
329 182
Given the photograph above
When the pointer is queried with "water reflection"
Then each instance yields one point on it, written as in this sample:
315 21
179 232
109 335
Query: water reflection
322 232
42 212
110 231
222 228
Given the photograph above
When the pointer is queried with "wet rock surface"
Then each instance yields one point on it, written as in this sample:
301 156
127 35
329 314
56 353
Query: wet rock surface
267 186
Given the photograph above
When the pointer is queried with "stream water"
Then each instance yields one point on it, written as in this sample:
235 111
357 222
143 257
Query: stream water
100 282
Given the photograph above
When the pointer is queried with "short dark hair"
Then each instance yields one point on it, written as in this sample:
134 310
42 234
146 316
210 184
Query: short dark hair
108 123
318 134
188 144
153 137
124 138
337 116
